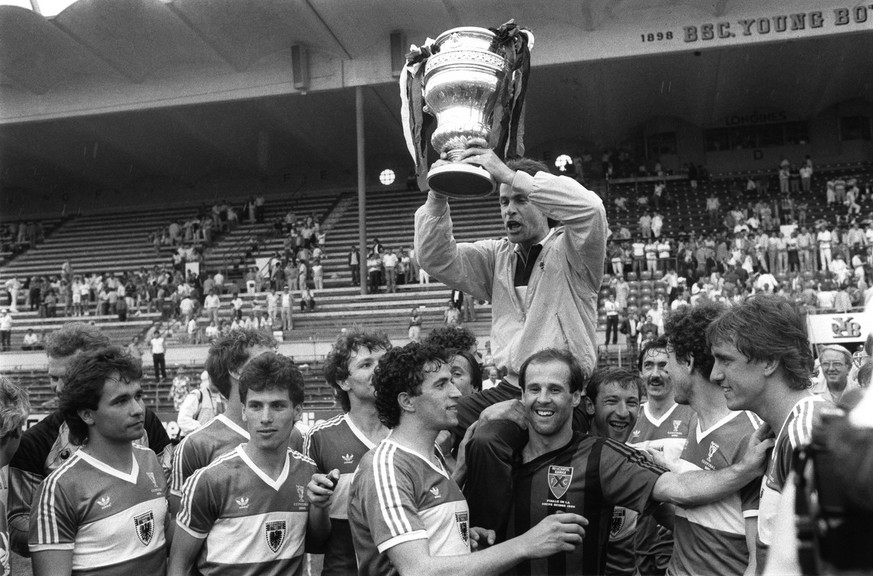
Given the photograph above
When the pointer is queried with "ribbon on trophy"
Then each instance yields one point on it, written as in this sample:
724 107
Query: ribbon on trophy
415 121
507 127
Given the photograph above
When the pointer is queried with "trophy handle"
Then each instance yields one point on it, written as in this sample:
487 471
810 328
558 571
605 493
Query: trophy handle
457 180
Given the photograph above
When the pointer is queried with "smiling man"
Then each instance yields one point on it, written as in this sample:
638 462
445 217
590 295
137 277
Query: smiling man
103 511
560 470
542 280
408 516
836 362
663 426
763 364
247 513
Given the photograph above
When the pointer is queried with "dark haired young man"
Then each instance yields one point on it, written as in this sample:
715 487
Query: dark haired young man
247 512
224 363
338 444
560 469
407 515
46 446
763 364
716 538
542 281
103 511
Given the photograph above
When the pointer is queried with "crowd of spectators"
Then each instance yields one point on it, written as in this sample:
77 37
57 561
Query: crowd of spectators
18 236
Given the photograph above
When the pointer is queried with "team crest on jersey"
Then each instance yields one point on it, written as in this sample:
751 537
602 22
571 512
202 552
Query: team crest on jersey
676 425
300 492
619 516
151 476
145 527
275 532
559 480
462 521
713 448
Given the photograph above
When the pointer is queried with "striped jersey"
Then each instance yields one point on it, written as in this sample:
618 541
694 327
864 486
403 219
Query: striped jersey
338 444
112 521
653 544
795 434
399 495
588 476
711 539
251 524
200 448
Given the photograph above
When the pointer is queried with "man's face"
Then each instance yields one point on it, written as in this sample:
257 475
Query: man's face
615 411
437 405
57 371
655 374
461 376
741 379
269 416
679 378
120 414
835 368
493 374
524 223
359 383
547 398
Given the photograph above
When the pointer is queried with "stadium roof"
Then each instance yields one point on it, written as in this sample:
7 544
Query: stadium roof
104 92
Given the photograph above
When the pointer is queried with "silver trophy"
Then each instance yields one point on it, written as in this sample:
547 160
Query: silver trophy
471 82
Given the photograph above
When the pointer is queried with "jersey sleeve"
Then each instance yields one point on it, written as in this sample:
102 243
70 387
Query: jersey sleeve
312 448
629 476
389 503
200 506
53 523
185 463
159 441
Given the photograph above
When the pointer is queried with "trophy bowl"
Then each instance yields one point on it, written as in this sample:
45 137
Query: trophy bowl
461 81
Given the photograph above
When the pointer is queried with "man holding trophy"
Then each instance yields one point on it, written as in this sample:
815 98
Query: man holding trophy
544 277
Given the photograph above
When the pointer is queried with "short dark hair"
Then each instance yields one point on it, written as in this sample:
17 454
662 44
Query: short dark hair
403 370
686 334
531 166
272 371
451 338
73 337
230 352
624 377
336 365
657 343
86 377
766 327
577 377
475 368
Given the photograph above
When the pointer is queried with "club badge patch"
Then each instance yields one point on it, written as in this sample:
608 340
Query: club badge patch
559 480
463 523
144 524
275 532
619 515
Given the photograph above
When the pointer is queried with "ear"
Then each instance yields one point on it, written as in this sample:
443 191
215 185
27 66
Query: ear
589 406
689 366
87 416
298 412
344 385
406 402
577 397
770 366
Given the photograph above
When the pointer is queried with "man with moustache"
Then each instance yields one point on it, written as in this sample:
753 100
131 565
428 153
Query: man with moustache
559 470
717 538
763 364
542 280
662 426
407 515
